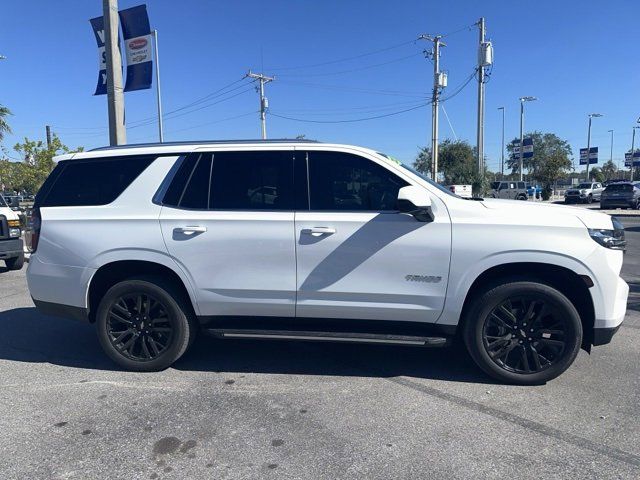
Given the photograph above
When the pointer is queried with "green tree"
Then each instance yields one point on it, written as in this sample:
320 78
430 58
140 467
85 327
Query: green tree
609 170
37 163
4 125
551 158
456 163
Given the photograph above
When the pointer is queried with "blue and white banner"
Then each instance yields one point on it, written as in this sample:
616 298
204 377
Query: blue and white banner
98 30
636 159
593 155
137 40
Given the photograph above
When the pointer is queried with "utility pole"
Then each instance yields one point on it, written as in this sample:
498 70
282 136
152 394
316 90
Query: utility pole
264 104
502 145
481 63
439 81
48 130
591 115
115 93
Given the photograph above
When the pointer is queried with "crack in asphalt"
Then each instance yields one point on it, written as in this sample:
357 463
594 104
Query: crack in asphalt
540 428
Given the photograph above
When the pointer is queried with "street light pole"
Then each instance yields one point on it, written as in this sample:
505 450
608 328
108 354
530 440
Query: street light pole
633 146
611 151
522 100
502 145
591 115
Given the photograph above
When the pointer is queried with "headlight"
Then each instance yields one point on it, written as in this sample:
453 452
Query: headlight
613 239
583 191
14 232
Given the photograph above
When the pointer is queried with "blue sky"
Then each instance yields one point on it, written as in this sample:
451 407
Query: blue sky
576 56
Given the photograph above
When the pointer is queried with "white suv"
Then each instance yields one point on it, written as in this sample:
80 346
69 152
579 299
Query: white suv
311 241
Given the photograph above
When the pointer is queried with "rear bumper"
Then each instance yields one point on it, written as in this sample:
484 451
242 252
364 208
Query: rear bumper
622 203
58 284
63 311
11 248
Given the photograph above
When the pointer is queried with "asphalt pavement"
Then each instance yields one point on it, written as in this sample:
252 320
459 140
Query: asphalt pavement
268 409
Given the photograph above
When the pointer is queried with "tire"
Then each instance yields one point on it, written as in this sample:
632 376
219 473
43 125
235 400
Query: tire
15 263
521 197
589 199
488 336
154 340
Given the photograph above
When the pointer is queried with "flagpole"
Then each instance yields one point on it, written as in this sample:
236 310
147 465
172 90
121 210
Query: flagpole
159 98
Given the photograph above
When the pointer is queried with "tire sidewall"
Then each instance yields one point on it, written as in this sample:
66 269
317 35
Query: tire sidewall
182 328
486 302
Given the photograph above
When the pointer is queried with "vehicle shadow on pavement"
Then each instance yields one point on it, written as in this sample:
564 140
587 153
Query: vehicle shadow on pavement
29 336
633 303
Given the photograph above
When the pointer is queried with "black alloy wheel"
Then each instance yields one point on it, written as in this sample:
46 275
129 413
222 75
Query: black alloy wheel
522 331
524 335
139 327
145 323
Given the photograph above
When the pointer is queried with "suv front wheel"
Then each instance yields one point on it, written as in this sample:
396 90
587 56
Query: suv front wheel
522 332
144 324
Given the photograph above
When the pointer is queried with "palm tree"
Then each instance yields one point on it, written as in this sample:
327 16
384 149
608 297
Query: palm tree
4 125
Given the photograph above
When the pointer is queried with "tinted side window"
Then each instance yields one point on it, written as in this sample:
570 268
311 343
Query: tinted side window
196 194
252 181
341 181
92 182
179 181
521 185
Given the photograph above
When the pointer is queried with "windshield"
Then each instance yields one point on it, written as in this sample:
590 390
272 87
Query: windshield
495 185
2 202
584 185
620 187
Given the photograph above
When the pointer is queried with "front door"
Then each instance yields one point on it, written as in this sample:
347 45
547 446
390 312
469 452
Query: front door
227 220
358 257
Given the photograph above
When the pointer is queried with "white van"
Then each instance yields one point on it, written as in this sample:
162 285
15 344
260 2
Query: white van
300 240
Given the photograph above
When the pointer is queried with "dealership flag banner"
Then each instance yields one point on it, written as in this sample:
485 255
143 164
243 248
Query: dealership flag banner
593 155
98 30
137 41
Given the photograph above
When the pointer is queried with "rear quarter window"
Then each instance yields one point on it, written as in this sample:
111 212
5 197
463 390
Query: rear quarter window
90 182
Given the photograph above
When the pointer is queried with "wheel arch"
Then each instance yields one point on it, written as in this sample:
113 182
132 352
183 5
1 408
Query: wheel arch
574 286
113 272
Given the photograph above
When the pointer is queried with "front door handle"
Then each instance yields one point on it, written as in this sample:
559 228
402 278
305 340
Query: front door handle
317 231
190 230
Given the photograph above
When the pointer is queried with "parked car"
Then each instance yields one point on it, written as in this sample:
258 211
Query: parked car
154 243
509 190
11 246
586 192
621 195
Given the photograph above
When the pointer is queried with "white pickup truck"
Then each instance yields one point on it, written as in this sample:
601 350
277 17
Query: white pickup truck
11 249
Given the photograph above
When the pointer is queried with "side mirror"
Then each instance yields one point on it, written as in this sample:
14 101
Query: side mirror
415 201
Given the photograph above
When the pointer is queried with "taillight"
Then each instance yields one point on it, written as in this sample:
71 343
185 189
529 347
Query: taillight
36 223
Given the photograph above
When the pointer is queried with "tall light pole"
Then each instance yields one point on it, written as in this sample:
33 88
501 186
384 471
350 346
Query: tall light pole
591 115
502 145
633 146
522 100
611 151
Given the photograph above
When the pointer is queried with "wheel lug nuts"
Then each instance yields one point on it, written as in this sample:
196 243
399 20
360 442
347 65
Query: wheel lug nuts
520 342
530 339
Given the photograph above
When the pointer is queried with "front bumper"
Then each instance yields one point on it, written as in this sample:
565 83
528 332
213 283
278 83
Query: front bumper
605 328
575 197
11 248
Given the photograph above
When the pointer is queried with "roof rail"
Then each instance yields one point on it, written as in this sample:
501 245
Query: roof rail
204 142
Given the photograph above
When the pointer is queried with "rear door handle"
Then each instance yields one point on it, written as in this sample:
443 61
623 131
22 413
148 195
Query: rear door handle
317 231
190 230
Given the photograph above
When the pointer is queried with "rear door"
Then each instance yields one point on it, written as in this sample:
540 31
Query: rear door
358 256
227 220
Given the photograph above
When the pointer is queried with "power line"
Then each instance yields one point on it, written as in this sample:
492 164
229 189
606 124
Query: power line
356 89
346 59
358 69
352 120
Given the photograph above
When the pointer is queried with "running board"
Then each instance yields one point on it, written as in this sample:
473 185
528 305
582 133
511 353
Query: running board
342 337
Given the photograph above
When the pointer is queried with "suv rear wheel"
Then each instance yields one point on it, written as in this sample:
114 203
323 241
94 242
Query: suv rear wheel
144 324
523 332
